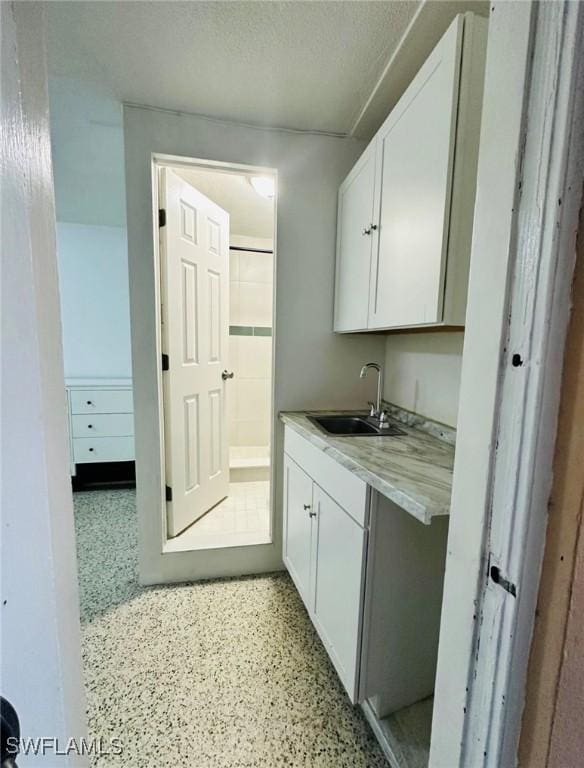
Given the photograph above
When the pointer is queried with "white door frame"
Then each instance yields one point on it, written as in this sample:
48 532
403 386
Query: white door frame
529 193
176 161
41 667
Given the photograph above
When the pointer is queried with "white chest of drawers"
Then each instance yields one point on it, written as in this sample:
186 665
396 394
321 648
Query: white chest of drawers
101 420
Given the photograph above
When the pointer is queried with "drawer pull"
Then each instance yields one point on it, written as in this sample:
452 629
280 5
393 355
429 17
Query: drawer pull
89 402
306 506
91 449
90 426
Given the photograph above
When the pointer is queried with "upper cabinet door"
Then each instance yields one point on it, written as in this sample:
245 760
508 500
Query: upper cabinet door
415 151
356 233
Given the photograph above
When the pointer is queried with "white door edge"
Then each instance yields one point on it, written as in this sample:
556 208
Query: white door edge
478 705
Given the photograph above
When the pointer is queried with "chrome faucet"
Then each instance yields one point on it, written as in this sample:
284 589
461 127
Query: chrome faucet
376 411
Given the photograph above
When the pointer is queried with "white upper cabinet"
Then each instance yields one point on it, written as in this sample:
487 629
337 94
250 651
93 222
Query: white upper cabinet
415 154
356 233
409 267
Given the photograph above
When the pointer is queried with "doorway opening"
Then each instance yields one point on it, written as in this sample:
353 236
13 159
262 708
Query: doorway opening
216 264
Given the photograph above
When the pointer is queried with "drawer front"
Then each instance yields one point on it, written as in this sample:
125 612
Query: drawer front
346 488
102 425
101 401
96 449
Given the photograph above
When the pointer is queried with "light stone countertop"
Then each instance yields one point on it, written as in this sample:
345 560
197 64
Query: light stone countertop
413 470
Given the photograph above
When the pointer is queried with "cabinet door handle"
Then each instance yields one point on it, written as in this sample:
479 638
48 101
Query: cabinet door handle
366 230
306 506
227 375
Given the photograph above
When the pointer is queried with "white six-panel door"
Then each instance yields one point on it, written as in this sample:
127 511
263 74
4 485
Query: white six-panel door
194 256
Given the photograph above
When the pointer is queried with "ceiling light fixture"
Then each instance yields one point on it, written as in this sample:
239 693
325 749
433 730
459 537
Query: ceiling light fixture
263 185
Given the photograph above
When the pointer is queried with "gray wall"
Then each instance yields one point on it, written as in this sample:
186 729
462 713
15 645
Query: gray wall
95 304
87 142
313 367
422 373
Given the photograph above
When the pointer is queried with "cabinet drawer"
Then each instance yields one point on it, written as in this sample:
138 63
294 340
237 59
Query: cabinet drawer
95 449
102 425
101 401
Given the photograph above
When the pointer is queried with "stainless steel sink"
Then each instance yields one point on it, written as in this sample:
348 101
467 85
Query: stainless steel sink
350 425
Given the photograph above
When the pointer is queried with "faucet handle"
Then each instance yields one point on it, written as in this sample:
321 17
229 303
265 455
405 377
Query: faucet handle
373 411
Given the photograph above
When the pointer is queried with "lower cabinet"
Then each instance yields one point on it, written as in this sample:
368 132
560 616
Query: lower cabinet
339 557
297 542
369 574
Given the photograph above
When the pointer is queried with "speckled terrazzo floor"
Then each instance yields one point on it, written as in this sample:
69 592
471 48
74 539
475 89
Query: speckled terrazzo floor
219 674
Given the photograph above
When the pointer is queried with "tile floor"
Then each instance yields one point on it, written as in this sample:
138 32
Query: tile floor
242 519
219 674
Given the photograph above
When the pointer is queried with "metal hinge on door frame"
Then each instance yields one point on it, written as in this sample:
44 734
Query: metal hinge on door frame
168 492
162 217
165 362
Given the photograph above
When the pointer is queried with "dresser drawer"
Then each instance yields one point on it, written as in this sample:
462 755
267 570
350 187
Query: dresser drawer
102 425
101 401
93 449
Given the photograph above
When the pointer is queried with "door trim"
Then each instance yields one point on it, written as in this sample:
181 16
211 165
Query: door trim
159 161
528 198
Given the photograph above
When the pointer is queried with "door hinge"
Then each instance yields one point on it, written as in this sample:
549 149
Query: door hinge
162 217
497 577
168 493
165 362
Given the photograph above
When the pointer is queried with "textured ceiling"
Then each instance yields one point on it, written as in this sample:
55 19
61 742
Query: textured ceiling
249 214
302 65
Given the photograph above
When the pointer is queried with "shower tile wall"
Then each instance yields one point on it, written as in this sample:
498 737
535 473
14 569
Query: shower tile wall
250 347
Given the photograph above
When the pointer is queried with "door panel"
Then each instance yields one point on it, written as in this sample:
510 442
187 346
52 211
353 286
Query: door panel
414 161
194 244
340 550
354 248
298 527
190 330
192 466
214 316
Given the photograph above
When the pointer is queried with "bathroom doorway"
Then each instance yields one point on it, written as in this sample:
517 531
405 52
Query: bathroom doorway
216 260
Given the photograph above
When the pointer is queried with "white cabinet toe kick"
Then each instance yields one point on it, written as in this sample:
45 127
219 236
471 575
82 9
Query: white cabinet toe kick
370 576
